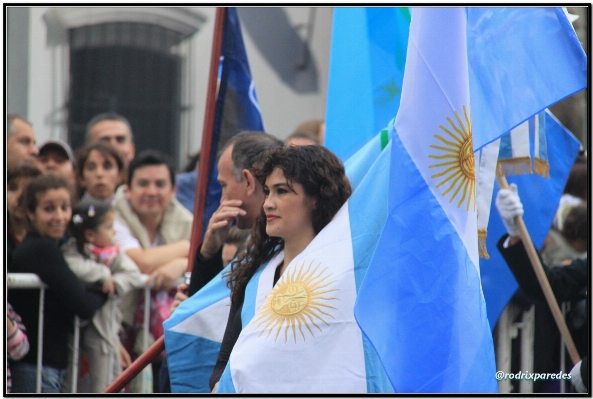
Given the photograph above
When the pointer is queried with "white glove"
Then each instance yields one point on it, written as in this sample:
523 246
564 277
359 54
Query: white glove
509 205
576 379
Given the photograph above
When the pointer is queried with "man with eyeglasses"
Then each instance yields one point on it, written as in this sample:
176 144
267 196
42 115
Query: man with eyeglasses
114 129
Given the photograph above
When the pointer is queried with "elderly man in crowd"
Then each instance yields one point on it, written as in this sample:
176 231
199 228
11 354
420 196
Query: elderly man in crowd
20 142
115 130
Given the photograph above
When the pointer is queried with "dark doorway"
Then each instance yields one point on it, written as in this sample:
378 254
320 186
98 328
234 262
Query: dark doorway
126 68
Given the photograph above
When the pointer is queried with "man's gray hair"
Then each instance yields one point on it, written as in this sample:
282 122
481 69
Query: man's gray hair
107 116
10 118
248 148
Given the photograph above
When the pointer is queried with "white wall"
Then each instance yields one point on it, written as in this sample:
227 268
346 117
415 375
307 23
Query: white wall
47 91
282 102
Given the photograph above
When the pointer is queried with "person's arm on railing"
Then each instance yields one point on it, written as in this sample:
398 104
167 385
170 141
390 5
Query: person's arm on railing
52 269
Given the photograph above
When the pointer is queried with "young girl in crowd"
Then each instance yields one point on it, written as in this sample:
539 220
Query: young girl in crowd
46 201
93 257
17 344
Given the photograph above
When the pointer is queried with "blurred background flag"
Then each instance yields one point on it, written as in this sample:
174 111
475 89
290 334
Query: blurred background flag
237 108
367 59
524 150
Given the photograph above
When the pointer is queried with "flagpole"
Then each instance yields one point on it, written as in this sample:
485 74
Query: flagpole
541 276
200 198
207 131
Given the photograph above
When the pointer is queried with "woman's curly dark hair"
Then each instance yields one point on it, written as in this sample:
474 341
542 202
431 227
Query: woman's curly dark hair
323 178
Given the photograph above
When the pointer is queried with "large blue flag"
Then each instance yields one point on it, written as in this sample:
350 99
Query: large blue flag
521 61
540 197
237 108
421 303
367 58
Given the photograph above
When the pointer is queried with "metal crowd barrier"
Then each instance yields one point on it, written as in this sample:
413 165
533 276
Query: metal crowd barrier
32 281
506 330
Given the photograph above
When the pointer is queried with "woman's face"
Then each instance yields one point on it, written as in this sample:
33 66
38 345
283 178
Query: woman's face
100 175
288 209
52 213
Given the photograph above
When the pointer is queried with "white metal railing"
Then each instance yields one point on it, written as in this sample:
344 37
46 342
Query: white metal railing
506 331
32 281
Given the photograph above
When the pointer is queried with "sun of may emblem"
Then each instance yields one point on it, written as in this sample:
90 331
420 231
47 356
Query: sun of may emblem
298 300
457 159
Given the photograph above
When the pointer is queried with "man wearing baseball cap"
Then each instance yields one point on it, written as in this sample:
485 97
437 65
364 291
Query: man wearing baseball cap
56 158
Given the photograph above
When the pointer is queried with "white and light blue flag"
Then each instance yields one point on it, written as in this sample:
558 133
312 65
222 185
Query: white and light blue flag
421 302
471 75
193 335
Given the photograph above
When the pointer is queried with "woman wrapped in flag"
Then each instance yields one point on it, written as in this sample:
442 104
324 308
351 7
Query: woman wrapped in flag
305 187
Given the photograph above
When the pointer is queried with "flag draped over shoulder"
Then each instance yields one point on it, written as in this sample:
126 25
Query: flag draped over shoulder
237 108
367 58
194 331
300 336
540 197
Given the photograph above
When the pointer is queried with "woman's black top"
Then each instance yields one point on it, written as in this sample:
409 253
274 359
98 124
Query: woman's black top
65 297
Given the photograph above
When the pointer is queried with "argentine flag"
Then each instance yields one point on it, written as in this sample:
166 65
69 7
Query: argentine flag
470 76
300 336
421 303
193 335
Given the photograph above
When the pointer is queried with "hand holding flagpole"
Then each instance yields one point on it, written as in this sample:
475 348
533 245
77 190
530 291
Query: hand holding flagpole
541 276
